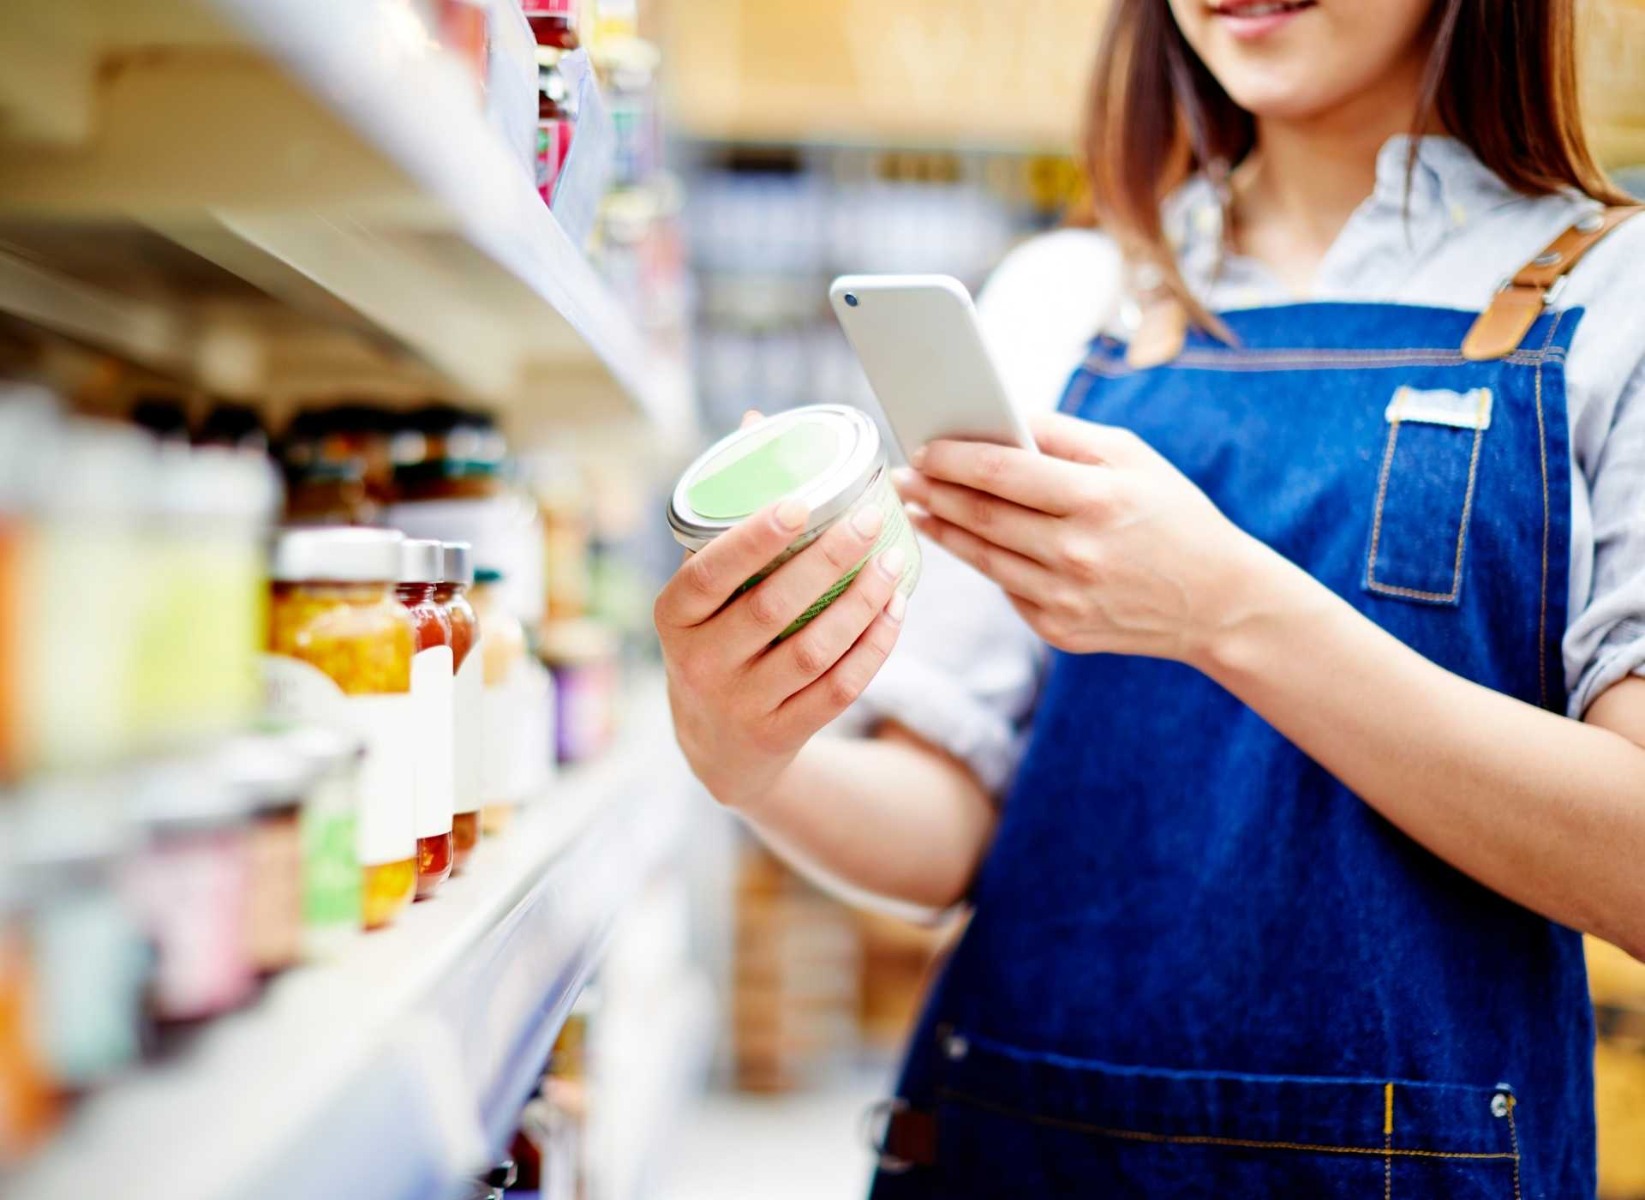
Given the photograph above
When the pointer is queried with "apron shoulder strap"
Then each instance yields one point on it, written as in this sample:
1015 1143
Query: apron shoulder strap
1518 303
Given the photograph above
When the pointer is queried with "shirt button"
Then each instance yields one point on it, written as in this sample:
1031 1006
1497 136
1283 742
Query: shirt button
955 1047
1499 1105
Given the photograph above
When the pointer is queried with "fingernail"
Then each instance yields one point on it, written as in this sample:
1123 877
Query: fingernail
896 608
867 521
917 458
904 477
791 514
893 561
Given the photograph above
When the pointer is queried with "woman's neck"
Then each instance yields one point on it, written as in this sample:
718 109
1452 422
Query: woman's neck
1306 176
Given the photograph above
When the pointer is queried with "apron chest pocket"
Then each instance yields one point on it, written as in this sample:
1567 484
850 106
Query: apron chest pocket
1425 494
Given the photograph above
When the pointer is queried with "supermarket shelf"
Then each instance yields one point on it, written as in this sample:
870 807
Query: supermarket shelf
245 180
388 1074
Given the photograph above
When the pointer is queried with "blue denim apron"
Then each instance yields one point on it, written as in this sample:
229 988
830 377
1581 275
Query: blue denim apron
1198 965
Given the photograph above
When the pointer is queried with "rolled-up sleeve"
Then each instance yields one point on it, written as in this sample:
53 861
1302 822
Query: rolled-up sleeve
1605 643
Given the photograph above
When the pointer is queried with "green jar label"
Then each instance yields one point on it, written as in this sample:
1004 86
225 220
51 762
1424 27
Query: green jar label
770 471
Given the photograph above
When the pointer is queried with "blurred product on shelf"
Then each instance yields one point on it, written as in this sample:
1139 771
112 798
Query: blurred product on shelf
332 888
795 981
582 657
163 416
273 782
553 22
1618 985
433 687
468 752
234 427
340 651
338 466
517 708
443 452
631 76
556 122
29 1107
135 568
190 885
614 20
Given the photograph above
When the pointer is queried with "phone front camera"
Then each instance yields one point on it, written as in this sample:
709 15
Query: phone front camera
850 300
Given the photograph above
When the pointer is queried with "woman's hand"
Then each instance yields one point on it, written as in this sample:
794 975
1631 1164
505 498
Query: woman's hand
1100 543
743 707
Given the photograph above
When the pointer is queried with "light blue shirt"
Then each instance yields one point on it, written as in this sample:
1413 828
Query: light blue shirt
967 670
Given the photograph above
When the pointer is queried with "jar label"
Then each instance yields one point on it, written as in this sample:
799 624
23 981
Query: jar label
468 722
549 8
331 866
385 725
433 693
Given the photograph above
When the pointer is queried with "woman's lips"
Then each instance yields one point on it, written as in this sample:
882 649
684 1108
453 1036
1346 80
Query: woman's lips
1252 19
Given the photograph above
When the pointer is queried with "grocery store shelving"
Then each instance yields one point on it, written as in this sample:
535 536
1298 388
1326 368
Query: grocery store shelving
401 1068
275 197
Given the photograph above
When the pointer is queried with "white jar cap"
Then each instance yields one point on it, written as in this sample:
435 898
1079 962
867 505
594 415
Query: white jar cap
422 561
337 556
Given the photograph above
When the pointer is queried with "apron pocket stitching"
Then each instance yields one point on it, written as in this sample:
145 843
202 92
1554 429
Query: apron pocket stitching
1179 1139
1381 587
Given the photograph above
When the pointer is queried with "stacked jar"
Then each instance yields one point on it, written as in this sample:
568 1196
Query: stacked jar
468 662
340 652
433 685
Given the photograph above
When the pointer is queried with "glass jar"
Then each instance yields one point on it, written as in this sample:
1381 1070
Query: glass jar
582 655
469 662
272 782
504 736
433 688
29 1107
340 651
30 430
829 456
448 453
190 886
331 891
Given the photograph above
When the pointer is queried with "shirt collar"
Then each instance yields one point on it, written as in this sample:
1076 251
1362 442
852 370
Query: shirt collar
1449 186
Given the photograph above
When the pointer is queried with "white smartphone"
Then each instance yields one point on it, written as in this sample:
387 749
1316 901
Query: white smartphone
919 342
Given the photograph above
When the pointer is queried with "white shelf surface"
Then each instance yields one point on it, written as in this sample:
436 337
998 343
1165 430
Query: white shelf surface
399 1070
325 156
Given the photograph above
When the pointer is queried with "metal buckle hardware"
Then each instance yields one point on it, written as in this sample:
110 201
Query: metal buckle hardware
876 1127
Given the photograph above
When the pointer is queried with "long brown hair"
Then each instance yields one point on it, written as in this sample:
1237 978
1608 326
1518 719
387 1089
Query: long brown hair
1501 78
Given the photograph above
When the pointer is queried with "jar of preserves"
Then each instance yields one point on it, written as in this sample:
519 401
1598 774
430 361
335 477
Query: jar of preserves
448 453
469 663
340 651
433 689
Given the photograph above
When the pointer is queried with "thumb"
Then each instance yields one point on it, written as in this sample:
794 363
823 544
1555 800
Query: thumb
1076 440
752 417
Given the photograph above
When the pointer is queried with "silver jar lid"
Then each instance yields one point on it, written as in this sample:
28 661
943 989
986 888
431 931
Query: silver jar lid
825 455
459 564
422 561
336 556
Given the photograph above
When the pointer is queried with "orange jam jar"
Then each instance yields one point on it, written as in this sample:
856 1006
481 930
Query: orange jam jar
339 655
433 690
452 596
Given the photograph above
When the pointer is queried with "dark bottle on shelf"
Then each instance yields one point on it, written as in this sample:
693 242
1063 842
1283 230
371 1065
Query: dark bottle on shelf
553 22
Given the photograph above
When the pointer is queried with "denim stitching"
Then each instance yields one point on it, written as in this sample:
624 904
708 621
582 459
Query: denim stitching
1547 518
1184 1139
1388 1142
1389 589
1513 1136
1311 360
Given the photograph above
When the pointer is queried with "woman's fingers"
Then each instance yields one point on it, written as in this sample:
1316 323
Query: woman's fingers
838 689
806 656
1023 530
1018 575
1038 481
746 628
1074 440
709 578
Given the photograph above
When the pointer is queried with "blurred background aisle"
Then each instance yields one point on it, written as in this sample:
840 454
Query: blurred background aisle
486 273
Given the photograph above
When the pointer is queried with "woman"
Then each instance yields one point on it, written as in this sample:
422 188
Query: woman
1340 548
